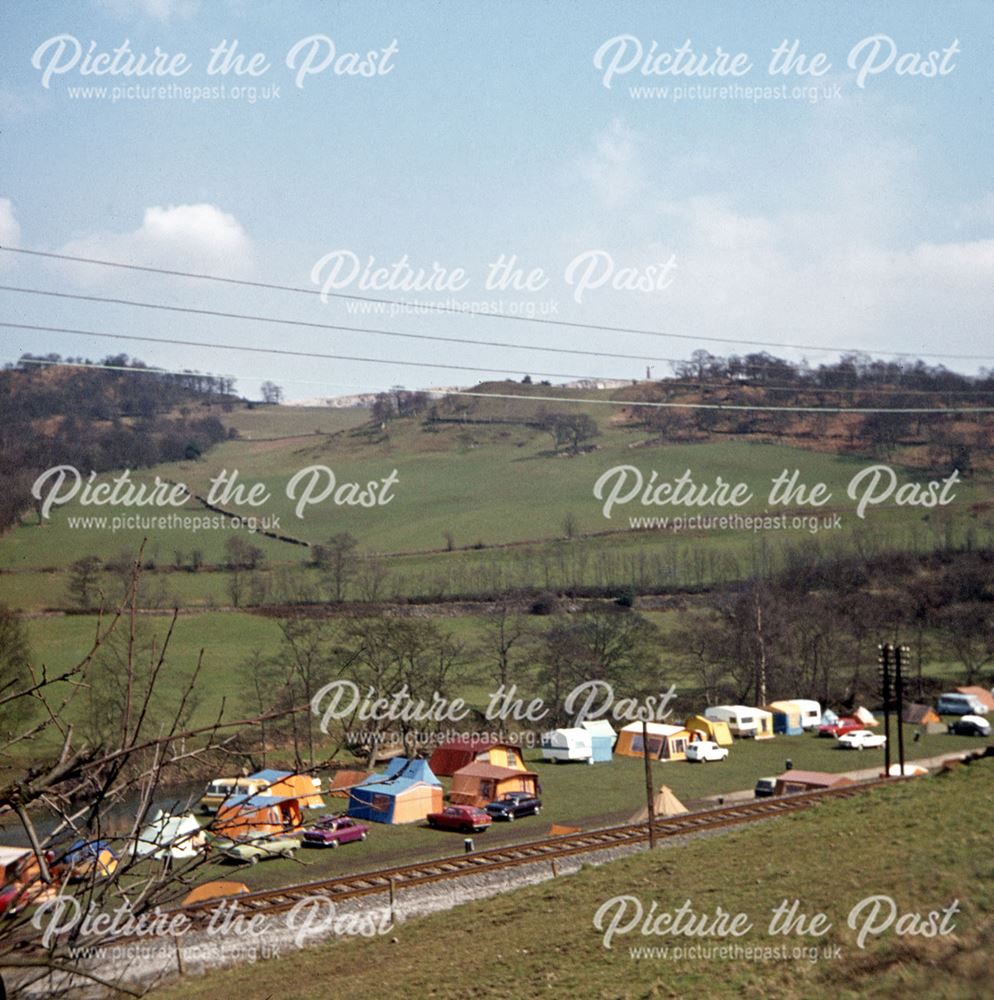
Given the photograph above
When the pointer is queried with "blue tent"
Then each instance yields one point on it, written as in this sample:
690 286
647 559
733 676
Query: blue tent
602 737
406 793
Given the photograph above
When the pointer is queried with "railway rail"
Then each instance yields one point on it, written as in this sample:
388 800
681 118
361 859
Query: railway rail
548 850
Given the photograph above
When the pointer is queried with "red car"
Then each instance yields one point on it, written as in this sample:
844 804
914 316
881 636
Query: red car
331 831
464 819
846 724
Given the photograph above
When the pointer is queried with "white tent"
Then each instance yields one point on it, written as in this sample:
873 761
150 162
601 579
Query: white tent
168 835
865 716
910 770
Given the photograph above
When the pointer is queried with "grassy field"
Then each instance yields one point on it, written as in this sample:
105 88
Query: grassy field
230 638
589 796
476 486
924 843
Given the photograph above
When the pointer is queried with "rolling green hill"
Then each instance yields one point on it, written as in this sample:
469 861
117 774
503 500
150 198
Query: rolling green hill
512 510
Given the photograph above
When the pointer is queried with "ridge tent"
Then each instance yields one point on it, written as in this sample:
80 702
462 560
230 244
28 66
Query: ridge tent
829 718
405 793
478 783
450 756
170 836
344 780
305 788
865 716
602 737
665 742
921 715
701 728
247 815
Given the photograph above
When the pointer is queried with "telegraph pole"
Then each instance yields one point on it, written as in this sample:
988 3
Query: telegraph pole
901 653
884 659
649 795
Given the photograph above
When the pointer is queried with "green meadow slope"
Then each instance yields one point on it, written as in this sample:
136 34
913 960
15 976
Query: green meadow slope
923 843
513 513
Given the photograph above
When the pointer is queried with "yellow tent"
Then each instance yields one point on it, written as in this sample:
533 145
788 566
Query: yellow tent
701 728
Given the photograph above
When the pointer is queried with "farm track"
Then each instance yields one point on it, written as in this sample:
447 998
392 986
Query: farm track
548 850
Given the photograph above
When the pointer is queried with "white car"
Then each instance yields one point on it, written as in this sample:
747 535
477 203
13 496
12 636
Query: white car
706 750
862 739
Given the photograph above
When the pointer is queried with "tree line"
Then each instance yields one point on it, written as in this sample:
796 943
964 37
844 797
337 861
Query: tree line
98 419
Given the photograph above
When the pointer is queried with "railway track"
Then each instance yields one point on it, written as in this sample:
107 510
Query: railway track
548 850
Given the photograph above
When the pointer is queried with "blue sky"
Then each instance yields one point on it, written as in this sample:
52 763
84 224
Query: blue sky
862 219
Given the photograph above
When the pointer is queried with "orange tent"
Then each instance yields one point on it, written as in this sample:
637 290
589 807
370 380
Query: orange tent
305 788
214 890
255 814
480 783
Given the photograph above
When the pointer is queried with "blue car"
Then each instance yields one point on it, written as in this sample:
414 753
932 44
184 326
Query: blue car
511 805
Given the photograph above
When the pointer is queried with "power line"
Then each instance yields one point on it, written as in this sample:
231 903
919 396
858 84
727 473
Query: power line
287 352
338 328
527 397
481 313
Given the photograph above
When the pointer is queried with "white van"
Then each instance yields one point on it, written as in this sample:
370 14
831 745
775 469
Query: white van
955 703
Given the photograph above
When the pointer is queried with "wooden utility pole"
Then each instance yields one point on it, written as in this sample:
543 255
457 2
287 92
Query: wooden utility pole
901 653
649 793
885 649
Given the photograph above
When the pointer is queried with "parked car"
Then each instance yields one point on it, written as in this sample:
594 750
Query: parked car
706 750
511 805
11 900
970 725
221 788
256 848
766 787
955 703
846 724
463 819
861 739
332 831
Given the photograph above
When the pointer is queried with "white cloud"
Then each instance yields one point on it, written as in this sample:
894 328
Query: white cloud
614 170
159 10
860 253
182 237
10 231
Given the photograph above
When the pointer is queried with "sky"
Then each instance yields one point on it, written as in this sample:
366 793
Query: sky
851 209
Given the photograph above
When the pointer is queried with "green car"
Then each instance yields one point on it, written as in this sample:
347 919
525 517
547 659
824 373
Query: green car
255 849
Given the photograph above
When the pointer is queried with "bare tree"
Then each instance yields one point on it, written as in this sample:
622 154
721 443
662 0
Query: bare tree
74 791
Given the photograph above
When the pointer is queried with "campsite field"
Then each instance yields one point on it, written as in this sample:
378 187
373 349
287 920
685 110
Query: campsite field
909 842
587 796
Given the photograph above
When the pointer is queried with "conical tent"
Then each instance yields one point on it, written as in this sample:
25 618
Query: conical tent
664 804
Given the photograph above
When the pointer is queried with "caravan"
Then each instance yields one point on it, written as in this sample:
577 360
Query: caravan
741 720
560 745
810 712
